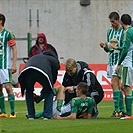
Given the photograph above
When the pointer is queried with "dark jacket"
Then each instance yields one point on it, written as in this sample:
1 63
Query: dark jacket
83 74
45 63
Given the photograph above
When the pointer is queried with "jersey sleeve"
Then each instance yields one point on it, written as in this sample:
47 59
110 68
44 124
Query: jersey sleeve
11 39
90 109
74 107
126 44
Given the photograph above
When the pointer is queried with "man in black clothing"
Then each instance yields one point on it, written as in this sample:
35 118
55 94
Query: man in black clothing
41 68
80 72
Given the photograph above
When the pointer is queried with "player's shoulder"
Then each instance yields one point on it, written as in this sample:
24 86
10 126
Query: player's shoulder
10 33
110 29
130 30
89 99
76 98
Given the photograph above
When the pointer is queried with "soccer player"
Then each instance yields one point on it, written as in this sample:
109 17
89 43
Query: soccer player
7 67
114 37
59 93
80 106
80 72
127 59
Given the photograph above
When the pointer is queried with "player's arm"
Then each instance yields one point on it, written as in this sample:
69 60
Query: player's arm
88 116
12 44
126 45
71 116
14 62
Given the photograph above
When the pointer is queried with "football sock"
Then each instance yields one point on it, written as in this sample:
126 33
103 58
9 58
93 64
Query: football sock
121 103
2 103
116 97
128 102
39 114
59 104
11 99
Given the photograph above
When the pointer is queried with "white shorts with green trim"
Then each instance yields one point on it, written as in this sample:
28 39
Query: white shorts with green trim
111 71
127 76
5 76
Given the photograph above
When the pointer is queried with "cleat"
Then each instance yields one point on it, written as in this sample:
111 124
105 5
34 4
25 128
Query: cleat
127 117
115 114
122 114
30 118
45 119
2 115
13 115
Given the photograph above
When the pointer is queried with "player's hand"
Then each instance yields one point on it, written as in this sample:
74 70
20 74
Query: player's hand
13 69
112 46
69 89
102 44
57 117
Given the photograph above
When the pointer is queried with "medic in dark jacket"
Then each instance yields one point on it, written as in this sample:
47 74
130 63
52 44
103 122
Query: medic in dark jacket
80 72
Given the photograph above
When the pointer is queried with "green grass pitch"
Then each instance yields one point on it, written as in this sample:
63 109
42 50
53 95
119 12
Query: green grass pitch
103 124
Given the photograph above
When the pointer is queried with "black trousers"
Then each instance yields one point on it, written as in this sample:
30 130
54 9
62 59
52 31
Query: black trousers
33 76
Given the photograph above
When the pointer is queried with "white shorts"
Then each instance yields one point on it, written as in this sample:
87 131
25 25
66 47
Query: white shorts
5 76
64 109
111 71
127 76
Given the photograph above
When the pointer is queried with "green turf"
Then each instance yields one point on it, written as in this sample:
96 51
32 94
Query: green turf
103 124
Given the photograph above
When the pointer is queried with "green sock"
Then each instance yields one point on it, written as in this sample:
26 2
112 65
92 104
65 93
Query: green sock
11 100
121 103
128 102
39 114
2 103
60 102
116 97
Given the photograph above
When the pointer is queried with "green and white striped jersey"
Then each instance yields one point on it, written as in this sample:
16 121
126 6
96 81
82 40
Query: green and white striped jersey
80 105
5 48
127 51
114 54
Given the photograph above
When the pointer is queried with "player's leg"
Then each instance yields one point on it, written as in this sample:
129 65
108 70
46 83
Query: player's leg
110 70
59 92
11 99
127 80
60 96
7 80
2 104
117 93
121 103
39 98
